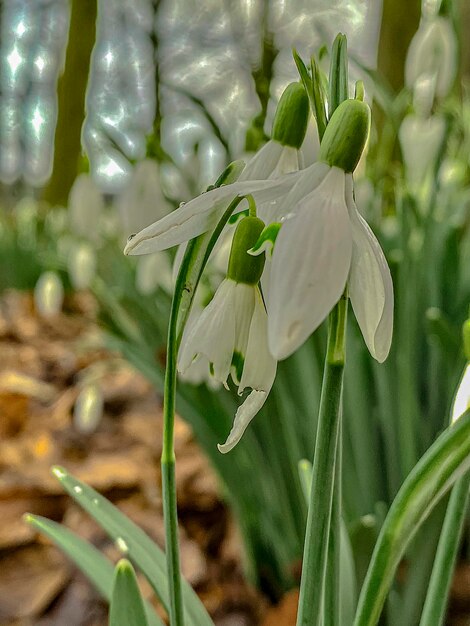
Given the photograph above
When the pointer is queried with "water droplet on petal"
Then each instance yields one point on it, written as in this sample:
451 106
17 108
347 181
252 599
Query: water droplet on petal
78 489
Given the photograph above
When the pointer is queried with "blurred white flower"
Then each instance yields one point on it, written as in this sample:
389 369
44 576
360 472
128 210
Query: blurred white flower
49 294
433 52
152 271
88 409
81 264
85 208
142 201
322 242
420 141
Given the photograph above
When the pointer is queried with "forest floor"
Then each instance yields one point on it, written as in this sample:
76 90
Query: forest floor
43 366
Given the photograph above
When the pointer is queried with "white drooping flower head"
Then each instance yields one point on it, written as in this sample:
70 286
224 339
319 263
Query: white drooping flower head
324 244
420 141
433 53
142 201
229 337
282 153
85 207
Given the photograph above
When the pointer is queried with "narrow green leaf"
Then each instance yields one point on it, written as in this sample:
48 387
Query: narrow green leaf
97 568
127 607
445 461
338 74
319 98
132 540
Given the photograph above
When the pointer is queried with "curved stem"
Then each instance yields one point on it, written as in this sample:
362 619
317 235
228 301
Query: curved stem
323 478
444 564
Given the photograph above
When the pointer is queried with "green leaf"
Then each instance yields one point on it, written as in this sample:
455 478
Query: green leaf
338 74
127 607
97 568
445 461
137 545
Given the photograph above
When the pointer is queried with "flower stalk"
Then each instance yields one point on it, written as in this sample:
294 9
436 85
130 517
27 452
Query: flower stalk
323 477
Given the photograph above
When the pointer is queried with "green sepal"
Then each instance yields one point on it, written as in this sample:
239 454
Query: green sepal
291 118
243 267
266 240
346 135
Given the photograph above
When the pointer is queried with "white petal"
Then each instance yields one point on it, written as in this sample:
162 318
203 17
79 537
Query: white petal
370 287
259 370
202 213
263 163
213 333
289 161
152 271
462 397
306 181
310 265
243 417
311 144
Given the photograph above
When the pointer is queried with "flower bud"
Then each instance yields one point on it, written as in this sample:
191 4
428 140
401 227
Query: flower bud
346 135
48 294
88 409
292 113
81 265
243 267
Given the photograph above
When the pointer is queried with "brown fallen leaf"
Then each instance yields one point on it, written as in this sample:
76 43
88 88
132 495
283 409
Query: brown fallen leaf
31 577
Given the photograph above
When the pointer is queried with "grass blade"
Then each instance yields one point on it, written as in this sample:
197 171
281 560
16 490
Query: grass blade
96 567
444 463
127 607
138 546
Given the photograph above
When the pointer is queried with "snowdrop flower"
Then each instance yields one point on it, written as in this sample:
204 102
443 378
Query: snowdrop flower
324 243
142 200
420 141
282 154
49 294
433 52
264 178
230 335
81 264
85 208
152 271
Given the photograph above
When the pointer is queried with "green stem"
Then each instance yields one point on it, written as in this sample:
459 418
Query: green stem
195 258
168 466
332 611
443 570
323 479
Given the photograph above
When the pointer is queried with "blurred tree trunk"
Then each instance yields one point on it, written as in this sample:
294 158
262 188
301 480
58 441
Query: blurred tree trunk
71 100
400 20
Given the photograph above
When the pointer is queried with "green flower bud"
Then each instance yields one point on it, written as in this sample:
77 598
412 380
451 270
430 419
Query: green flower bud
346 135
292 113
242 267
466 338
230 174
